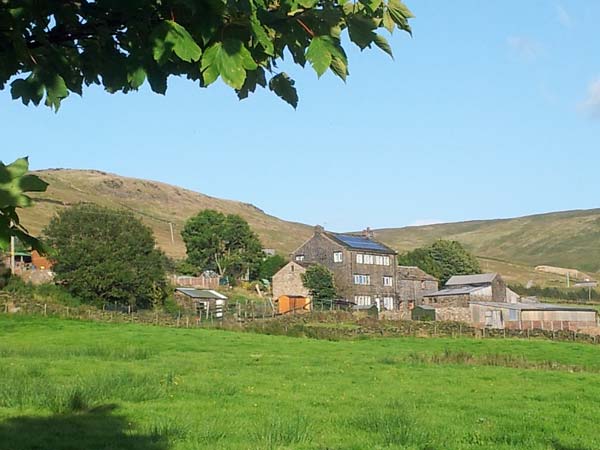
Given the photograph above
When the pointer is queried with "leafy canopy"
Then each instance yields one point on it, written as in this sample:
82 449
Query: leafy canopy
220 242
102 255
319 281
442 259
15 183
270 266
52 48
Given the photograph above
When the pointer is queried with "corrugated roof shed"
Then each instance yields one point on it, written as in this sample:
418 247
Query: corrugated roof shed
201 293
532 306
482 278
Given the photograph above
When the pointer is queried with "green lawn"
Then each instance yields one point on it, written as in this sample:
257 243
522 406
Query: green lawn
77 385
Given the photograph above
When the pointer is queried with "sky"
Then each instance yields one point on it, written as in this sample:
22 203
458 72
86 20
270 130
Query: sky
490 110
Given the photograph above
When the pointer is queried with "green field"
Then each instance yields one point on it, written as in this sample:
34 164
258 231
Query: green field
82 385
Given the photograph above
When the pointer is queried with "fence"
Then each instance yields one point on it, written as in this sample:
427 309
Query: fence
259 318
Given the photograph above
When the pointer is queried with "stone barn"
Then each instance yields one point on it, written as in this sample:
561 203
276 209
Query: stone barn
288 280
462 289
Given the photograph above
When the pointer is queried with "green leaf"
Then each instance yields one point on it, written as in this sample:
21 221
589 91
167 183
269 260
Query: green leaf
400 14
339 67
261 36
28 90
360 29
169 37
230 59
388 22
32 183
283 86
56 90
383 44
136 78
318 54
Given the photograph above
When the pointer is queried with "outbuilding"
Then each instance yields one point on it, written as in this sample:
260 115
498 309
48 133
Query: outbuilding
203 302
521 316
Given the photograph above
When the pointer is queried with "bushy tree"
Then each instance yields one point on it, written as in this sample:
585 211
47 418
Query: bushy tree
319 281
53 48
224 243
103 255
442 259
269 266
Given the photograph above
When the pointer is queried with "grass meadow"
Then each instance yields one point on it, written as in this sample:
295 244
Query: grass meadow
83 385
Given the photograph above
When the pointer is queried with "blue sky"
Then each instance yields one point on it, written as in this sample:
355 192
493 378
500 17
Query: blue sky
491 109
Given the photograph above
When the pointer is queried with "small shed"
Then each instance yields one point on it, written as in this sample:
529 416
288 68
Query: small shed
203 302
521 316
293 304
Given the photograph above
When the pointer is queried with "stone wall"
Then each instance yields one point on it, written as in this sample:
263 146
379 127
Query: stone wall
453 314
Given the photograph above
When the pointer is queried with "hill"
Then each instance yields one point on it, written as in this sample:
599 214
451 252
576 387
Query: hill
156 204
565 239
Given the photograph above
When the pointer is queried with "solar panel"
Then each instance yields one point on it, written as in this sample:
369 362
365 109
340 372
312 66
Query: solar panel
361 242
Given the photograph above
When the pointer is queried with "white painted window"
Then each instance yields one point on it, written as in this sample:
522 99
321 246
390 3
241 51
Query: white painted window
359 258
362 279
388 281
362 300
386 260
388 303
379 260
337 257
368 259
299 257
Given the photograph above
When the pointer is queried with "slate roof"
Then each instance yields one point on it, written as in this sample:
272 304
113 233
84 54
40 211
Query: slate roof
532 306
414 273
461 280
356 242
208 294
459 290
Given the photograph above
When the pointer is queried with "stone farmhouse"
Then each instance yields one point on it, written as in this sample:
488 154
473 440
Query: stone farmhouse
365 271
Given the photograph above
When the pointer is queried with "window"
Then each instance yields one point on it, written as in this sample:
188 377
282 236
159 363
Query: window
386 260
379 260
337 257
362 300
388 303
368 259
359 258
388 281
299 257
362 279
513 314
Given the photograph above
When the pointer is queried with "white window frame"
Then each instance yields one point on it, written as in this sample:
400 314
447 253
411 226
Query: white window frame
363 300
338 257
359 258
362 280
299 258
388 281
368 259
379 260
386 260
388 303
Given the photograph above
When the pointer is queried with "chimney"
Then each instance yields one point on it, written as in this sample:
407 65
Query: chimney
368 233
319 229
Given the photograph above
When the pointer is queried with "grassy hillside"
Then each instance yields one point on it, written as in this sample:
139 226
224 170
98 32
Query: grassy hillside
156 204
74 385
565 239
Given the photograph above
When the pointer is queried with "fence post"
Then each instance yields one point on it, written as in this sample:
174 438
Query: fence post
45 309
67 311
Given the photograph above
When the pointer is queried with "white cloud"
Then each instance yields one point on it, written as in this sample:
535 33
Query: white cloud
423 222
524 47
563 16
591 104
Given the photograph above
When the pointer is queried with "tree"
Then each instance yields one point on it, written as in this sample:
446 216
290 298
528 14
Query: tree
103 255
319 281
15 183
50 49
270 266
224 243
442 259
